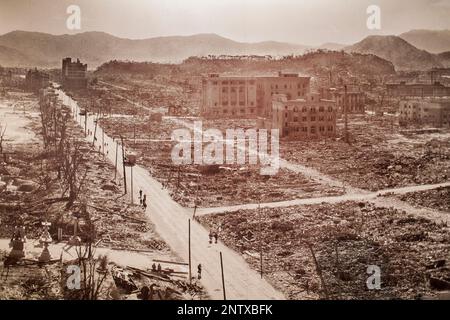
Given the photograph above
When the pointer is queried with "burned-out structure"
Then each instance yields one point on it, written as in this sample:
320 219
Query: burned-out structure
36 80
354 99
310 118
433 112
73 74
248 96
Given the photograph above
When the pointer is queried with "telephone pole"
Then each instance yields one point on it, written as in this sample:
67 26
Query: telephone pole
189 244
345 116
223 278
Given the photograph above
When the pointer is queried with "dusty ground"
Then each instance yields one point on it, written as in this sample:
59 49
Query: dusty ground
438 199
346 239
379 157
30 193
231 184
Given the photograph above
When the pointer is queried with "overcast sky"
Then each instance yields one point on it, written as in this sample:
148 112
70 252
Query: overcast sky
309 22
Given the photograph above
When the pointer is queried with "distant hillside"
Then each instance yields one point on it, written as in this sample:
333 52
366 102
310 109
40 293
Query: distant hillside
402 54
313 63
444 58
332 46
12 57
95 48
434 41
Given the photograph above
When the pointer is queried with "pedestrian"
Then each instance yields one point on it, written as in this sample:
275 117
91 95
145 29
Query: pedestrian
140 197
153 267
210 237
159 268
215 235
144 204
199 271
144 199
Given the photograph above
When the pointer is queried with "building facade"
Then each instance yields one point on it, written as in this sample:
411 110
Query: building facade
404 90
356 99
36 80
433 112
303 119
248 97
73 74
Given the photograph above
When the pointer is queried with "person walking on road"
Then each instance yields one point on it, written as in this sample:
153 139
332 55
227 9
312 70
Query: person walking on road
199 271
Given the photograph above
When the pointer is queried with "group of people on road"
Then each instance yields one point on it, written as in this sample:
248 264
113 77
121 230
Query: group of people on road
213 235
143 200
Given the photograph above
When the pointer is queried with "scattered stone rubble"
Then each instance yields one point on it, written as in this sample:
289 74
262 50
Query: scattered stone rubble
413 253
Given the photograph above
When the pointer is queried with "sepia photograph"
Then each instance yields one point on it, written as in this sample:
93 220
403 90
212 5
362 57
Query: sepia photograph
225 150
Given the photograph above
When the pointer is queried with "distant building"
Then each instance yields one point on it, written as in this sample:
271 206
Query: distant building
248 97
417 90
356 99
433 112
303 119
73 74
36 80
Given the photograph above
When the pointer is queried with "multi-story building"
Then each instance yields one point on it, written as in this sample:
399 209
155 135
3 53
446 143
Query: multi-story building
432 112
415 90
302 119
248 97
36 80
356 99
74 74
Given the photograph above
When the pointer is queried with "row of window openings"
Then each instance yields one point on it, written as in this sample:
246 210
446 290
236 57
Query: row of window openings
304 119
233 103
313 109
252 82
313 129
241 111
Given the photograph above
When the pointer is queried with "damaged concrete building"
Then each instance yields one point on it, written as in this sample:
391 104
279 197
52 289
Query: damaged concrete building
433 112
356 99
36 80
404 90
302 119
248 97
73 74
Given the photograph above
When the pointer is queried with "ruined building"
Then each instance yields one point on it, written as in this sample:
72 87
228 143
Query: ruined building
417 90
356 99
248 97
36 80
73 74
302 119
433 112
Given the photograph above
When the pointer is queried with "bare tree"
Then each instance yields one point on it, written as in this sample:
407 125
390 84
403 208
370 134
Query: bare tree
70 160
2 135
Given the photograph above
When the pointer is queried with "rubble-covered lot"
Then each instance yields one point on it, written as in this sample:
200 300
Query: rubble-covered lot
31 192
190 184
413 253
380 155
438 199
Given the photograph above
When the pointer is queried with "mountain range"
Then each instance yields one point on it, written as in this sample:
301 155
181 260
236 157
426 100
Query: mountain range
417 49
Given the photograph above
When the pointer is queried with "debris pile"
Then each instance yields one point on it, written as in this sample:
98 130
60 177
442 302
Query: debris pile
345 239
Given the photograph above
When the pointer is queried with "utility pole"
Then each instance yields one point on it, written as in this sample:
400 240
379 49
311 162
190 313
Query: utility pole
103 142
223 278
131 184
124 171
85 122
189 244
260 241
115 165
345 115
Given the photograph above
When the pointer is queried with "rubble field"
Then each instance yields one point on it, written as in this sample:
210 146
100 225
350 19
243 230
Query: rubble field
211 186
438 199
412 253
31 193
379 156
